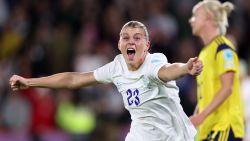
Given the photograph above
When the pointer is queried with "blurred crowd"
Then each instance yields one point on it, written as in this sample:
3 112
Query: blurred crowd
39 38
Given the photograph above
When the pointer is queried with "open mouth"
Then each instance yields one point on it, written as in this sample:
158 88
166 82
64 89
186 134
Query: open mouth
131 53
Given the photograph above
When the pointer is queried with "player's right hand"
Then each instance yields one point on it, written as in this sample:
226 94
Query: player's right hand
18 83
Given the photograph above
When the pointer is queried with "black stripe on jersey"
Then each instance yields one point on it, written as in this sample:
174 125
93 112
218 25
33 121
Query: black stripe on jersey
222 47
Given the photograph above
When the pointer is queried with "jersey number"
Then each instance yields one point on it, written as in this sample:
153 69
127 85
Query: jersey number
133 97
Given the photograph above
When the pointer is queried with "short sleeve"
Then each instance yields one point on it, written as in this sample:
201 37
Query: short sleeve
226 60
156 62
103 74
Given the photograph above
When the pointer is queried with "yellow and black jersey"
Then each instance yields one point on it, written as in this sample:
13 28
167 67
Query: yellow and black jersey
219 57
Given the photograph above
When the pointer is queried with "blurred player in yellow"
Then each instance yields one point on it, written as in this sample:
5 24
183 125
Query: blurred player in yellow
219 113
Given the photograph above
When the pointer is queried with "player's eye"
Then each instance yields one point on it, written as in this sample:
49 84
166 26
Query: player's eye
137 38
125 38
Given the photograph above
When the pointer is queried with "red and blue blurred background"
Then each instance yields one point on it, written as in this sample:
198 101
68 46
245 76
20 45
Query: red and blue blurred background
43 37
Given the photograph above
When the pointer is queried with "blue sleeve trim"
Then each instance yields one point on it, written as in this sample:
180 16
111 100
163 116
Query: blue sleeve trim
222 47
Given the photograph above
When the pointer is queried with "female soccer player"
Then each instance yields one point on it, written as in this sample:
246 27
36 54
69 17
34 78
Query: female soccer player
220 113
145 82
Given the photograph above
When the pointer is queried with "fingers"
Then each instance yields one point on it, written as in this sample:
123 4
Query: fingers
15 82
198 64
12 80
197 71
194 59
197 67
15 87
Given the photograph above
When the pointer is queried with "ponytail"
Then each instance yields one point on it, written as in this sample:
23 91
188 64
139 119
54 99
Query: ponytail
220 12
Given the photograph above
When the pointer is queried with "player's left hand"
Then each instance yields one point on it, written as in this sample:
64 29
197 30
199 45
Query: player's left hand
197 119
194 66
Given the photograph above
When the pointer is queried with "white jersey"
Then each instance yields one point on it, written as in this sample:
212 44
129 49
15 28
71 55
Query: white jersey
154 106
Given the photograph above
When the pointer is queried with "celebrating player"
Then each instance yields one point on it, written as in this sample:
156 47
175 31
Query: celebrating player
145 81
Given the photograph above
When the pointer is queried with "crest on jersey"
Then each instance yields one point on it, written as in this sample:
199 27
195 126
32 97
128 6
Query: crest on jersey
155 61
228 56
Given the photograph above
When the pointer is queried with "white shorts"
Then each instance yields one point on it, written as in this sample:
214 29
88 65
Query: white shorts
152 133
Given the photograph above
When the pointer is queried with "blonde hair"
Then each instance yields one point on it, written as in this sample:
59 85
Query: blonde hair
220 12
136 24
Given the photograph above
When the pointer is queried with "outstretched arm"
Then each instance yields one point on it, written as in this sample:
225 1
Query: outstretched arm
176 70
61 80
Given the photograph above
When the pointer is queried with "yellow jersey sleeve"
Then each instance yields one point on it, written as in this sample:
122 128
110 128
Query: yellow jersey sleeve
226 59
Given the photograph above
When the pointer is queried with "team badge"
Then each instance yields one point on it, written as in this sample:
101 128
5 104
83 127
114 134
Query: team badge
228 56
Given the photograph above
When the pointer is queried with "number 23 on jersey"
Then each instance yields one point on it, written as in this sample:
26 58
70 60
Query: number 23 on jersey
132 97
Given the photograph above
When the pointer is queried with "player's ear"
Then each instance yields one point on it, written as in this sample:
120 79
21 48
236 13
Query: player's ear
148 46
